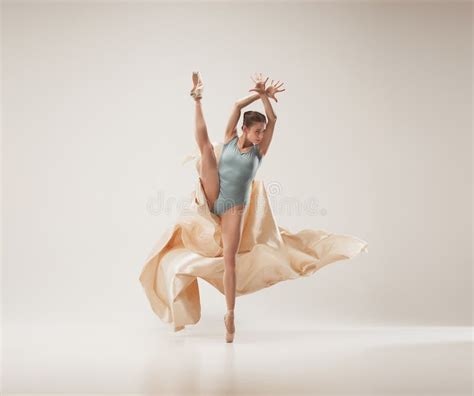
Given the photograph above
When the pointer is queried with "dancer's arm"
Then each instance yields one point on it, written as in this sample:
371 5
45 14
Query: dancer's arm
271 121
231 129
264 94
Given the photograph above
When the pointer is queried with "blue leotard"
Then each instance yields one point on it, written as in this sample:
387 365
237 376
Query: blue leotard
236 172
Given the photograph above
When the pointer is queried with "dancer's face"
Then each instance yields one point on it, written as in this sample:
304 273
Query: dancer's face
255 132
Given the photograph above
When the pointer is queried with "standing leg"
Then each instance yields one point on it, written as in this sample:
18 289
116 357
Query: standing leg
231 223
208 170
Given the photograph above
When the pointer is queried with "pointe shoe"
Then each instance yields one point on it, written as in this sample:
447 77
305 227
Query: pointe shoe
230 326
196 92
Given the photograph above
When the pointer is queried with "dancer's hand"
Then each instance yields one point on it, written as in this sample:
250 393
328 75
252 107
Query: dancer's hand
259 84
273 89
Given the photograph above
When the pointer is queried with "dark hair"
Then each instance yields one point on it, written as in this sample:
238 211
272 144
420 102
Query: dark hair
252 117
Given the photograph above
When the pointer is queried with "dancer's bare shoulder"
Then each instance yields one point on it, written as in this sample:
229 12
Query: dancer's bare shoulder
230 135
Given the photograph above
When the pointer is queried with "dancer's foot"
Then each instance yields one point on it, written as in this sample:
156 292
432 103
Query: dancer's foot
229 325
196 91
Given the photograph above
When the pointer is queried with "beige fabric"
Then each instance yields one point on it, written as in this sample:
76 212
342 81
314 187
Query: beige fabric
268 253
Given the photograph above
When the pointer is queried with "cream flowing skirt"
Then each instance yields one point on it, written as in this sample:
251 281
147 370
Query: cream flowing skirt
268 253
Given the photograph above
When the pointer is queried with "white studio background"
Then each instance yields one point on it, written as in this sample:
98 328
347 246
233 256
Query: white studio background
375 124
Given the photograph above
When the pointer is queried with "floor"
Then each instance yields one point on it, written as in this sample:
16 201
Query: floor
317 360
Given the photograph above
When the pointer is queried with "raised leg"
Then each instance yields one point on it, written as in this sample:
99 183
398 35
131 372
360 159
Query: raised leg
208 171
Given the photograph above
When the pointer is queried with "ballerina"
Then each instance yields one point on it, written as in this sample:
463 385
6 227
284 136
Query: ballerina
227 186
223 226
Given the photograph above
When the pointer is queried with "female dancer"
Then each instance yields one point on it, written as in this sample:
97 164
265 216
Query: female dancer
227 185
